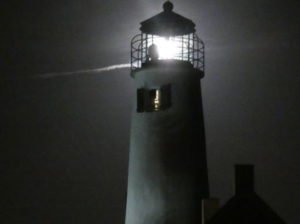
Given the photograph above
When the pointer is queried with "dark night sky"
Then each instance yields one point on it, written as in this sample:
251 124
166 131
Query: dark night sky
64 140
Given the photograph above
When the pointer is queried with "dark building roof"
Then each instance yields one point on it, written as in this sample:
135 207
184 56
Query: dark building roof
246 207
246 210
167 23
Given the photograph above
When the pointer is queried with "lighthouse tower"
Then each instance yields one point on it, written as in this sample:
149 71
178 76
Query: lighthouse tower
167 175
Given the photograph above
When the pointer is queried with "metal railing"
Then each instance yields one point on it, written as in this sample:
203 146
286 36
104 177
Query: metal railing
188 48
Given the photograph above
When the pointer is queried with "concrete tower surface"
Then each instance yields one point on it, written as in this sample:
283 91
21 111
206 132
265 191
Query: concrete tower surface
167 163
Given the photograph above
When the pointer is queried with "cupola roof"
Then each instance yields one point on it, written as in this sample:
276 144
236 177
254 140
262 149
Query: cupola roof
167 23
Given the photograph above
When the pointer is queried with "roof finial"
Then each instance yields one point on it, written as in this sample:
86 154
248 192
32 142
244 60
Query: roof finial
168 6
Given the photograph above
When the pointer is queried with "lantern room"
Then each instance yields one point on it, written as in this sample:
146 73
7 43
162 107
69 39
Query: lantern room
167 37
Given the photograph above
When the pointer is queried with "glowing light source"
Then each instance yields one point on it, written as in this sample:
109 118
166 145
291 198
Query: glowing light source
168 48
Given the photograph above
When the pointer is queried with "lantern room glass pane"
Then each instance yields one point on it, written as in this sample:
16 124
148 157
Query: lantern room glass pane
174 47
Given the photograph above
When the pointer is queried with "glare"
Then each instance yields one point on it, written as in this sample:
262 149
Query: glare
168 48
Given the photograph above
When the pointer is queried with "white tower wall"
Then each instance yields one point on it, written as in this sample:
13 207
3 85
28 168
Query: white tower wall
167 165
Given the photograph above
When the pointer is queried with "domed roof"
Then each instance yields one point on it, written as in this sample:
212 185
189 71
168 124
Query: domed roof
167 23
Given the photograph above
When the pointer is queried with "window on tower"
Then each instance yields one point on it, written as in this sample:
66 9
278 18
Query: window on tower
152 100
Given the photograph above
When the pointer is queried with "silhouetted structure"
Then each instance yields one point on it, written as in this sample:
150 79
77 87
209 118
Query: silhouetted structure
167 165
245 207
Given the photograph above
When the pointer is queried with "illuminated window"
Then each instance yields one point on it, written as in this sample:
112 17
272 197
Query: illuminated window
155 99
151 100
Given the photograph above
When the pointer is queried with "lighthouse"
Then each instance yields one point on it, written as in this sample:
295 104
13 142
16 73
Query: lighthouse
167 175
